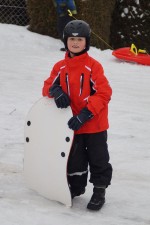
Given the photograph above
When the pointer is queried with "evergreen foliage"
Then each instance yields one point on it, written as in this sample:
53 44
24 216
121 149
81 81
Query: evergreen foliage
43 18
98 15
131 24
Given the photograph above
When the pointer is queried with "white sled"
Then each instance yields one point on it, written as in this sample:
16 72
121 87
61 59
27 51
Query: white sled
47 145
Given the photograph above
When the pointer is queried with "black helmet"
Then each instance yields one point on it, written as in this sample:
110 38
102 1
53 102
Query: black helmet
77 28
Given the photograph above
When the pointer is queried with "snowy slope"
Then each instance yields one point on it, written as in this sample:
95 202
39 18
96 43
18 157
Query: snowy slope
26 59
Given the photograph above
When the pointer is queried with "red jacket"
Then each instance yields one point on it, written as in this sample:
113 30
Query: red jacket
83 79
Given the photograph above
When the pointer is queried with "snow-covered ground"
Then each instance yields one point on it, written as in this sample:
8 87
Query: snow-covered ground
26 59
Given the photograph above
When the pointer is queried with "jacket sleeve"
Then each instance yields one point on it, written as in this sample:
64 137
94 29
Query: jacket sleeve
54 78
71 5
102 90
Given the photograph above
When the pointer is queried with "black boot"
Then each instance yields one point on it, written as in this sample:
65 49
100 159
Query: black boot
62 49
77 191
97 199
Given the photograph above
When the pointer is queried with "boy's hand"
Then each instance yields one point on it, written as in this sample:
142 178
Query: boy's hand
61 98
77 121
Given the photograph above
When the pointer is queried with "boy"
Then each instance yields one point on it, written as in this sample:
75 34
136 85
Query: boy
78 81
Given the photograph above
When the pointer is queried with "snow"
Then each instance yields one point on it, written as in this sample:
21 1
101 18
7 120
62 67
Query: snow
137 2
26 60
126 10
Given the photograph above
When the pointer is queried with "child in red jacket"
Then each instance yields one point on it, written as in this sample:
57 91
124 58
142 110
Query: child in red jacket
79 81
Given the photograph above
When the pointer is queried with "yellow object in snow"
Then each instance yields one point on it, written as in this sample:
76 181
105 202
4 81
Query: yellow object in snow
134 50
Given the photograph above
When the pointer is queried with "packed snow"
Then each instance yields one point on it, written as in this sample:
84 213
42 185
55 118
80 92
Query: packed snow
26 59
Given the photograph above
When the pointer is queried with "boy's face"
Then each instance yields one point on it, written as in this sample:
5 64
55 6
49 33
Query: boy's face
76 44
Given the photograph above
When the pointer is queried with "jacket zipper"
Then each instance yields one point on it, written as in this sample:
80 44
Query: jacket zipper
67 83
81 84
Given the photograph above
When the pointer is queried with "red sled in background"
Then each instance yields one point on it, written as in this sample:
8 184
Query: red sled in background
132 54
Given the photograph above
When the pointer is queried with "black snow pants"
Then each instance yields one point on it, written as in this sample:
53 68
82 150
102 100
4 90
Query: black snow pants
89 151
61 23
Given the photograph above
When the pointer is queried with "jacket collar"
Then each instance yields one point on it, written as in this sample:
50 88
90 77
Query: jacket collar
76 60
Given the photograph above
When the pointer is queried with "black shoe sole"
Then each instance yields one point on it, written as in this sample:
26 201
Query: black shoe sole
62 49
95 207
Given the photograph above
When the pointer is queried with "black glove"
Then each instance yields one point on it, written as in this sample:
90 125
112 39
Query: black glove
77 121
61 98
